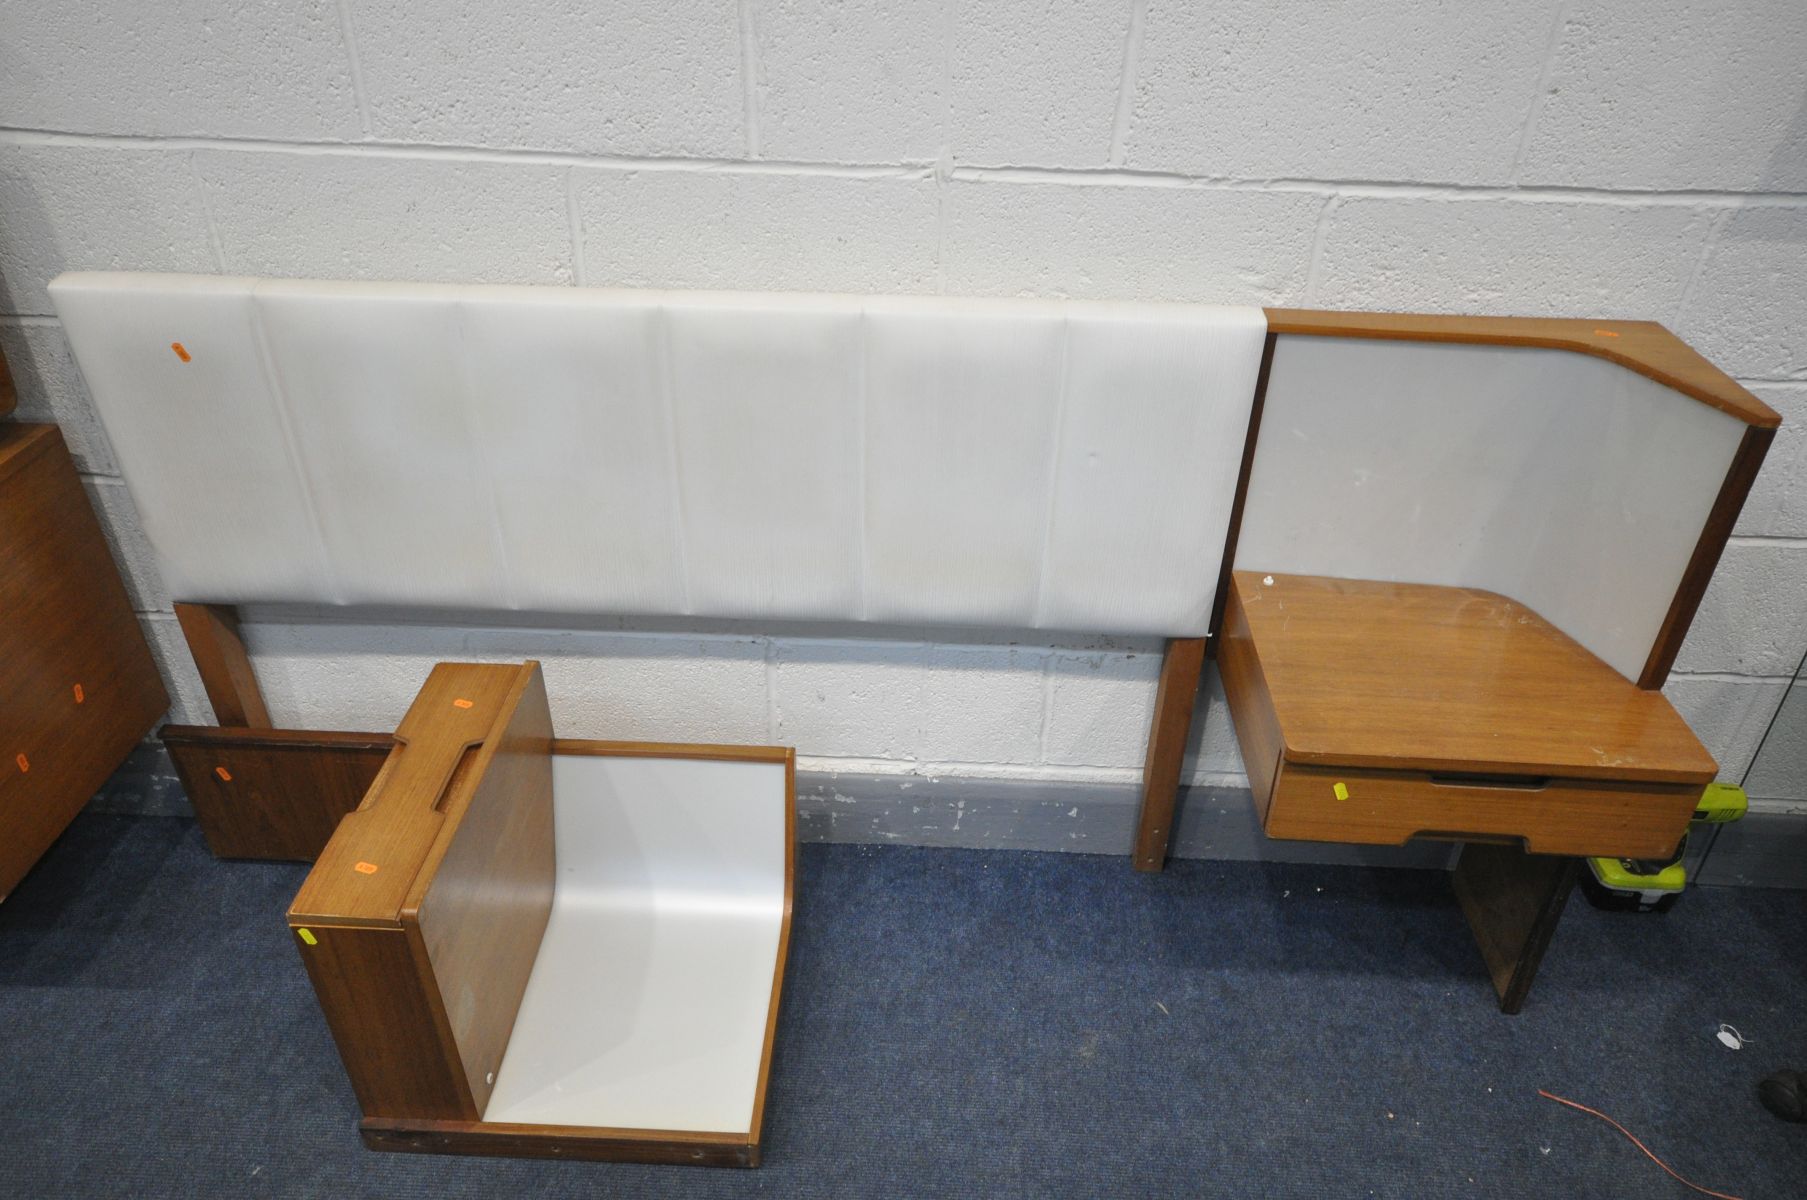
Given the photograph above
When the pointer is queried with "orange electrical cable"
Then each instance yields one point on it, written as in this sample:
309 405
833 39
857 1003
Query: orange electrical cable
1634 1141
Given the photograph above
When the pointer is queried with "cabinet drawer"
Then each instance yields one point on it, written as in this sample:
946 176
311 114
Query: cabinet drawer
1552 816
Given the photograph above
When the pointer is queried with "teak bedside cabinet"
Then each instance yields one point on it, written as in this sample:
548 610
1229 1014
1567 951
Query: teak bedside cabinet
1376 712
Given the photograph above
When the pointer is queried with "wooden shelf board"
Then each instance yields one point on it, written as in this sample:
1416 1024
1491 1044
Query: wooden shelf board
1442 679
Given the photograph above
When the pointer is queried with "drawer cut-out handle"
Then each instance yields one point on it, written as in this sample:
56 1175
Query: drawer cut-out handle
1480 779
1458 835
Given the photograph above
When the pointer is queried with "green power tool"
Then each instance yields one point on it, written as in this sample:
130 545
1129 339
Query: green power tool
1652 885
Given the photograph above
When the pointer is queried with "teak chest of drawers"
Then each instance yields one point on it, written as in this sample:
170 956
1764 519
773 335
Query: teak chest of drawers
78 687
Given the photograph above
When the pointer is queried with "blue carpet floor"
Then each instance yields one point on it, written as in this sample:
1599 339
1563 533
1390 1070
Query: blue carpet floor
958 1023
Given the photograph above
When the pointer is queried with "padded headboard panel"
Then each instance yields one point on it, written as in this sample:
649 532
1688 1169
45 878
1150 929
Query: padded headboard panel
1034 464
1568 483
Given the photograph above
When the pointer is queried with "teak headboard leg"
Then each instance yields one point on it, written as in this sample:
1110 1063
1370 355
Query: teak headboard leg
1181 666
219 654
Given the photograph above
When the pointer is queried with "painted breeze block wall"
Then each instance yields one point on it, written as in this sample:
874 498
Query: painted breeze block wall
1539 157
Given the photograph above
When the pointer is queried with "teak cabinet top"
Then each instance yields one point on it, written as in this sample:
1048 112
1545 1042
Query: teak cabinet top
1445 679
381 860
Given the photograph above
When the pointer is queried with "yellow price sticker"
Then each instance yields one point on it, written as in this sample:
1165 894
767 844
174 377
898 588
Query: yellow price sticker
307 935
1341 789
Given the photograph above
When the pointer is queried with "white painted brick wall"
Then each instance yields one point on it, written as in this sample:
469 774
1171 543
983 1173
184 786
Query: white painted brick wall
51 389
1778 782
745 229
96 205
1729 713
1546 257
194 67
1299 89
1748 310
850 81
1753 619
1035 82
364 217
1673 94
571 75
1532 156
1124 241
1777 506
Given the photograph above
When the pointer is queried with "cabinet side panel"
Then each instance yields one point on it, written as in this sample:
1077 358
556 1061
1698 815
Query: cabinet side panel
1251 707
79 685
379 1009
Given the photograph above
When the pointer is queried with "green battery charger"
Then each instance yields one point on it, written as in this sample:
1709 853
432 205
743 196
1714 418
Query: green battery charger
1652 885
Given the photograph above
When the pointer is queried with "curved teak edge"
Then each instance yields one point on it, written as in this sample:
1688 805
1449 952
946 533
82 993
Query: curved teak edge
1642 346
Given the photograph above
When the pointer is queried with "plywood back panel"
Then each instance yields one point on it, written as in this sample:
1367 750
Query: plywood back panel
1568 483
1037 464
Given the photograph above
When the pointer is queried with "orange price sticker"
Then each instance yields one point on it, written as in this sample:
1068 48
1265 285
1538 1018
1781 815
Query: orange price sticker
461 703
365 868
24 763
224 774
79 694
181 351
1604 333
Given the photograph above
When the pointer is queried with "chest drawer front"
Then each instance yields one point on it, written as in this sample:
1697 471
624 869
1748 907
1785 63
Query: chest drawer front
1559 816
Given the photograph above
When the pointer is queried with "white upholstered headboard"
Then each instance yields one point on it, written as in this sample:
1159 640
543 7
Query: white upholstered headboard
1032 464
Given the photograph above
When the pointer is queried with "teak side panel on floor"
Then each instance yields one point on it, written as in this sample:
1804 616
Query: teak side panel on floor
78 684
214 641
273 793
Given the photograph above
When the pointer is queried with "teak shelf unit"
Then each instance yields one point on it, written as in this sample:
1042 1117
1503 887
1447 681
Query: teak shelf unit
570 949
